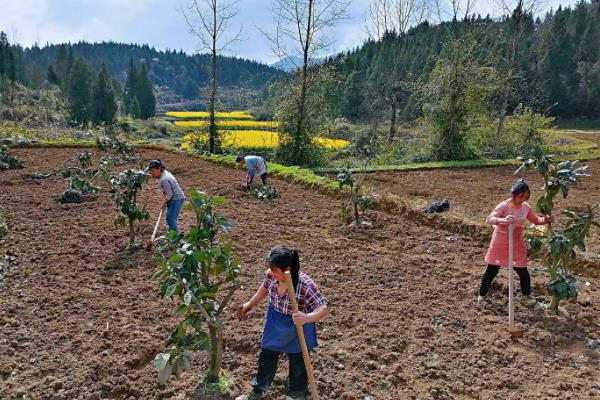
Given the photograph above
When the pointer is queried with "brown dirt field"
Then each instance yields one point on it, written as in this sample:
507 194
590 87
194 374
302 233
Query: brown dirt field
473 193
81 319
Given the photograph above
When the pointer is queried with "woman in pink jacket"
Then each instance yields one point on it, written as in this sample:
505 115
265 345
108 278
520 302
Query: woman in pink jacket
511 211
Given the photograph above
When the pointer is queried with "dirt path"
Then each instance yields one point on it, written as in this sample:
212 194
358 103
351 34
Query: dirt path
80 318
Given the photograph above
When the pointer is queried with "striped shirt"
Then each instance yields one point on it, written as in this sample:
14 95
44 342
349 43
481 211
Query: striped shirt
308 295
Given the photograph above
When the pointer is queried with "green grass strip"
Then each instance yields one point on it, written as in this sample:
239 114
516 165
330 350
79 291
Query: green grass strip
425 166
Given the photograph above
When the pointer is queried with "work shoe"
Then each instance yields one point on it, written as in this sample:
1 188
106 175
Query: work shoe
251 396
530 300
480 298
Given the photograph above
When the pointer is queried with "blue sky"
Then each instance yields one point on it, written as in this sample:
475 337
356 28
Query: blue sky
158 23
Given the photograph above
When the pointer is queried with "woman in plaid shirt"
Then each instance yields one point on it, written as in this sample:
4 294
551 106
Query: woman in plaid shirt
279 335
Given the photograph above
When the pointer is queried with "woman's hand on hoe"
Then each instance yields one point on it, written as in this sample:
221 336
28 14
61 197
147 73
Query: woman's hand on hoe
301 318
163 206
509 219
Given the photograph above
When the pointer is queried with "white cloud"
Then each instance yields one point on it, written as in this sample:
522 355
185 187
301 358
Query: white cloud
158 23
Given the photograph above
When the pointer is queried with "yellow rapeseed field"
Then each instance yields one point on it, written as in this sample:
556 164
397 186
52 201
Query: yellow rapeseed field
203 114
251 138
257 133
230 124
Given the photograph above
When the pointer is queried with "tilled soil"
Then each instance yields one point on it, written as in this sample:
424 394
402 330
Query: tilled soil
475 192
81 319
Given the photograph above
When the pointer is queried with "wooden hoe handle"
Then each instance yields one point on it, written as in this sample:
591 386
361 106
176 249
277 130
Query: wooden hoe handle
307 364
156 226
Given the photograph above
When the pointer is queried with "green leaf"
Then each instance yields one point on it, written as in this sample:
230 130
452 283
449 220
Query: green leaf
171 290
175 259
219 200
165 374
187 298
160 361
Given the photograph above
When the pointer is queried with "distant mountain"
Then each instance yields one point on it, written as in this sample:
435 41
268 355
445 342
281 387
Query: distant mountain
175 72
292 63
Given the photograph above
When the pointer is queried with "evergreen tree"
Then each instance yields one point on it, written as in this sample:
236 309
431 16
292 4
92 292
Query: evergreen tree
354 96
52 76
62 64
79 92
4 51
145 94
130 89
135 108
104 102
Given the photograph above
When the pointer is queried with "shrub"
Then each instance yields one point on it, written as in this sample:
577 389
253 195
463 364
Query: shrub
265 192
195 269
71 196
355 200
7 161
560 248
124 190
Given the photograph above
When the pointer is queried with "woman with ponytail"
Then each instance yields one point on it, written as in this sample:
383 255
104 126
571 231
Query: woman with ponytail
280 335
173 195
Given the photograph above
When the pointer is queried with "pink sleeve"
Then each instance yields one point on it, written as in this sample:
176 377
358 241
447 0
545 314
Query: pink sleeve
533 218
499 212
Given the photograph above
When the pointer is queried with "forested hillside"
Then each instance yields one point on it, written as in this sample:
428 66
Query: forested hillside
183 74
557 65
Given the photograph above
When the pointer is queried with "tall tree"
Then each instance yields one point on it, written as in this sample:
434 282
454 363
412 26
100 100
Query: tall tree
209 21
63 63
395 16
301 30
52 76
518 24
145 94
129 93
4 51
458 83
79 92
104 102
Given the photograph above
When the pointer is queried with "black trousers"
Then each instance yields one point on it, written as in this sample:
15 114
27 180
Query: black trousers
491 272
263 177
267 367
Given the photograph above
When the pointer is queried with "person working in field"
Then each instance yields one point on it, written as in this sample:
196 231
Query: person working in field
173 195
511 211
280 334
256 166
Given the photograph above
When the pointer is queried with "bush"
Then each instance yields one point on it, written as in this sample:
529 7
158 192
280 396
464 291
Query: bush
124 190
265 192
7 161
560 248
71 196
194 269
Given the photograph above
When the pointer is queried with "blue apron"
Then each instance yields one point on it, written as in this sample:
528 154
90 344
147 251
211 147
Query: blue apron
280 333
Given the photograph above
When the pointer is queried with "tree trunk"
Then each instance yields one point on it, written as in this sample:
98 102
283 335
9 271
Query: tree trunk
131 233
504 106
216 356
213 89
512 52
355 205
300 139
393 119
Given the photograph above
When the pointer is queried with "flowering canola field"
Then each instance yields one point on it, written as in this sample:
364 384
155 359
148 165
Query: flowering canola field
204 114
239 129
